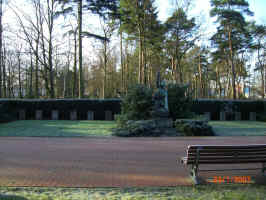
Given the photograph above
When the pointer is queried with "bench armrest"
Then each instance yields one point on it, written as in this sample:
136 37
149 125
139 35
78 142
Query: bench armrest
184 160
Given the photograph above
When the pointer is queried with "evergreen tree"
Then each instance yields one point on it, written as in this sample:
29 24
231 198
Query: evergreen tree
231 35
180 33
259 47
139 21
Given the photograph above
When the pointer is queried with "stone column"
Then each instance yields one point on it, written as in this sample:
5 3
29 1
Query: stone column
55 115
252 116
207 116
38 115
222 116
108 115
22 115
73 115
90 115
238 116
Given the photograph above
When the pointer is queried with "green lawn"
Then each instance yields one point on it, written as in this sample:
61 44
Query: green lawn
218 192
239 128
60 128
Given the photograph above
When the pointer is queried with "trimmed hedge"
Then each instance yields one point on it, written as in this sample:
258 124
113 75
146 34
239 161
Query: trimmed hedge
9 108
216 106
64 106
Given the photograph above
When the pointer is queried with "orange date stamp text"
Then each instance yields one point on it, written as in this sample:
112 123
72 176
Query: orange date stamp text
231 179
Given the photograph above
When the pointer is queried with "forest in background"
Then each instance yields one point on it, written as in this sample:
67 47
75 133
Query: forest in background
49 51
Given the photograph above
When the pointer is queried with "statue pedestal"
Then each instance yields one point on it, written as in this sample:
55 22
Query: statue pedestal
160 113
164 123
165 126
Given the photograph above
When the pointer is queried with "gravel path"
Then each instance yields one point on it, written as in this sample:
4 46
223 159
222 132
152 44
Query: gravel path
100 162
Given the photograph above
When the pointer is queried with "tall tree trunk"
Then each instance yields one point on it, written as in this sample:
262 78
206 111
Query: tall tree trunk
121 62
140 58
19 76
200 78
1 42
232 65
31 74
127 73
74 88
4 71
9 82
105 68
50 48
36 88
38 25
262 71
81 84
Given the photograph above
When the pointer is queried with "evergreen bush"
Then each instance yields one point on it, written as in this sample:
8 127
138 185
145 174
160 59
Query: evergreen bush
191 127
179 101
138 103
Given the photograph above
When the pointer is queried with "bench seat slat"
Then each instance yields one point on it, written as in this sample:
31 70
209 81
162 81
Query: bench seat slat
232 161
227 150
227 146
223 154
228 158
227 153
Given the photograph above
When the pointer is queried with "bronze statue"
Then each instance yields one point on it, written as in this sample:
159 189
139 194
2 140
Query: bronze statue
160 98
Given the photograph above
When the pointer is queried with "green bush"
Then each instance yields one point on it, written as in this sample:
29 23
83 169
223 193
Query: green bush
191 127
138 103
121 120
179 101
139 128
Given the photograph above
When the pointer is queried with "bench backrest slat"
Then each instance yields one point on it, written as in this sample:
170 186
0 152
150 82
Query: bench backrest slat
211 154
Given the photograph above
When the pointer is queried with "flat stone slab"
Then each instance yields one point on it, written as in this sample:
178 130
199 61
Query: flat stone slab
55 114
108 115
22 115
38 115
73 115
90 115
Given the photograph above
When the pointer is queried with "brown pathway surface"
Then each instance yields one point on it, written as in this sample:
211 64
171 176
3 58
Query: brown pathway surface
100 162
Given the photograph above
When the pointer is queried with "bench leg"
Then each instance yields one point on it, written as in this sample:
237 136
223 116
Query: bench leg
263 169
194 174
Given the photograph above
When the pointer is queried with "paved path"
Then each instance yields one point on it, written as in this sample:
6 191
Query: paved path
100 162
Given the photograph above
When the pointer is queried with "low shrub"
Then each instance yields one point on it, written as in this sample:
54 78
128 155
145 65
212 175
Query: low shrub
191 127
138 103
179 101
138 128
121 120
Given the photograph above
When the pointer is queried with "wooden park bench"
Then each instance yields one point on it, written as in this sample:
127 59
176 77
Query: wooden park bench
223 154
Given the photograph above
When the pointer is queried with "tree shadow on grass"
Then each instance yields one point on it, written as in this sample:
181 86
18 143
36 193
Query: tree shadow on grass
11 197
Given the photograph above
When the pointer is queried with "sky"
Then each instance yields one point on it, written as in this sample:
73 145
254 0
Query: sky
199 8
203 6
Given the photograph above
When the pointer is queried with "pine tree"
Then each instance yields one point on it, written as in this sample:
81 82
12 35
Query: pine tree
181 36
139 21
231 33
